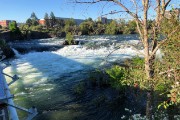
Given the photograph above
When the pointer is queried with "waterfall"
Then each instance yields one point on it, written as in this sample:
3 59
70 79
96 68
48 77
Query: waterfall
16 52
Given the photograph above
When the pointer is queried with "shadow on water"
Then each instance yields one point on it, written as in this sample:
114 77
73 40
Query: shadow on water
47 82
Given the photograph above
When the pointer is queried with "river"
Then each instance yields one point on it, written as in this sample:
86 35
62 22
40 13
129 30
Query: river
47 78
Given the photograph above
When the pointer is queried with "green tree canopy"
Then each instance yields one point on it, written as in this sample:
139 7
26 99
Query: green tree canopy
89 19
52 19
33 20
46 18
111 28
13 26
33 16
70 22
87 27
29 22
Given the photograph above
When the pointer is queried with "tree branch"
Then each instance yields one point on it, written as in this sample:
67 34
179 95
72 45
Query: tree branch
118 47
135 16
76 1
87 2
127 10
166 4
168 71
162 42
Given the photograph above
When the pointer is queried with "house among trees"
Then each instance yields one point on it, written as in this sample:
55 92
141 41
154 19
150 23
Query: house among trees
42 22
5 23
103 19
78 21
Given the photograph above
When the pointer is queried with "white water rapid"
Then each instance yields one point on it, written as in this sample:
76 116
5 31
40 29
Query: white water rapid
43 75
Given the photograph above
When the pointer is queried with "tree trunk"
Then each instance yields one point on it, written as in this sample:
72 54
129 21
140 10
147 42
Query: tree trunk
149 73
149 105
148 66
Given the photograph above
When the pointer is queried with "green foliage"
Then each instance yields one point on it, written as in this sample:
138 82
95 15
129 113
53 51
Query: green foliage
118 77
70 22
169 66
24 27
130 27
33 16
15 32
137 72
138 62
89 20
150 24
13 26
165 104
29 22
32 22
111 28
52 19
36 28
99 28
60 23
69 38
87 27
46 18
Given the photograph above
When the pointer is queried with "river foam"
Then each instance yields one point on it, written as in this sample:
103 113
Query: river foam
39 67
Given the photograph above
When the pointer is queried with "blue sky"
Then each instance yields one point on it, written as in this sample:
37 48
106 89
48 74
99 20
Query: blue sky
20 10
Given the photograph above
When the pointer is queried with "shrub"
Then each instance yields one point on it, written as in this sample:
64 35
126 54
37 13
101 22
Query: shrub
118 77
69 38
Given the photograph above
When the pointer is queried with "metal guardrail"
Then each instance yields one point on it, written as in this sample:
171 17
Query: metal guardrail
7 106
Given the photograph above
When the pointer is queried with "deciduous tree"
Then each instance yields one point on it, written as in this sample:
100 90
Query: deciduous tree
141 16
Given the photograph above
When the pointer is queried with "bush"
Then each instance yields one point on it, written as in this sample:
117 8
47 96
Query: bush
69 38
118 77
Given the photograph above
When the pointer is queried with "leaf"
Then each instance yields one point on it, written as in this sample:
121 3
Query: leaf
159 106
165 106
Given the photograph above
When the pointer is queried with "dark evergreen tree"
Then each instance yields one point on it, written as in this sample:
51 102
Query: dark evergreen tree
52 19
29 22
46 18
33 16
